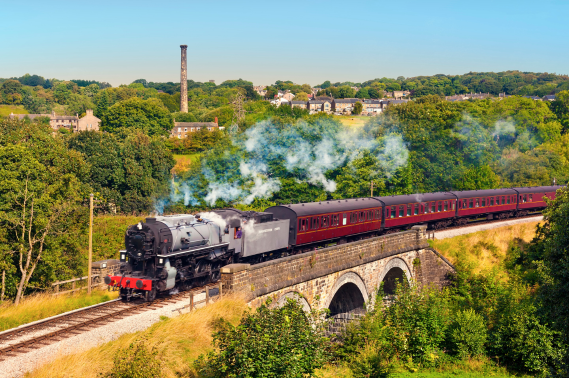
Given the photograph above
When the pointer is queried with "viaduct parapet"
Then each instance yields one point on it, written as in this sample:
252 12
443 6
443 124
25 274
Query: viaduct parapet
343 277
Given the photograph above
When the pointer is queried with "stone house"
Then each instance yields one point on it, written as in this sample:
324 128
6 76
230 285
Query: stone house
549 98
299 104
344 105
319 106
73 123
182 129
372 107
288 96
89 122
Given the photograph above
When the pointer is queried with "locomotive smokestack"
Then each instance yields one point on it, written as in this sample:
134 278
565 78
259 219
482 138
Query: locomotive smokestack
184 80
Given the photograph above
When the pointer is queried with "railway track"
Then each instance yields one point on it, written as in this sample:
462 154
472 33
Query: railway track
481 222
14 342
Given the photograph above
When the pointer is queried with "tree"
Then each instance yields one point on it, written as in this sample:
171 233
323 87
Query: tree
357 108
40 197
270 342
363 93
346 92
561 108
128 168
148 115
393 87
301 96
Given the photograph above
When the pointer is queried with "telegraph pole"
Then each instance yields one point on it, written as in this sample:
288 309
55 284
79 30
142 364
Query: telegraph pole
371 189
90 241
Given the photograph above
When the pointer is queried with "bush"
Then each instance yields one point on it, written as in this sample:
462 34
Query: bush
467 334
136 361
523 343
412 327
277 342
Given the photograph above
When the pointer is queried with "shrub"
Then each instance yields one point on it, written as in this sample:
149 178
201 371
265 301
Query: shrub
136 361
523 343
270 342
467 334
369 362
412 327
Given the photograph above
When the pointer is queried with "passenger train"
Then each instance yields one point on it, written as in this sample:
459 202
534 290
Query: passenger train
177 252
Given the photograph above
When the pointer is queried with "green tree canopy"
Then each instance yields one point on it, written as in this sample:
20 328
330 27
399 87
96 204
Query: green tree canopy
149 116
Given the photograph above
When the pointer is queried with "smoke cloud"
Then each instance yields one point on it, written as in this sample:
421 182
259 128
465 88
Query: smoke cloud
307 153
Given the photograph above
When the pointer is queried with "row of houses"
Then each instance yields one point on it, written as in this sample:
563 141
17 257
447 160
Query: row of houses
343 106
482 96
72 123
183 129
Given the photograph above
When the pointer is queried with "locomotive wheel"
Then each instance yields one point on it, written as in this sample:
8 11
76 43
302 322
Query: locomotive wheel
150 295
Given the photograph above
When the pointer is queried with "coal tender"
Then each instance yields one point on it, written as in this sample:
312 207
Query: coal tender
173 253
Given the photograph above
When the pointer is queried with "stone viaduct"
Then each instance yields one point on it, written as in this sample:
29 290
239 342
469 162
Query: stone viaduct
343 277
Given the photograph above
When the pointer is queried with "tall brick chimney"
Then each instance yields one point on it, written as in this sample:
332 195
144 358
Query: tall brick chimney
184 80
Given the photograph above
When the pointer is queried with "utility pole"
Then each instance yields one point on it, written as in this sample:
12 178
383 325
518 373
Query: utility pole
90 241
371 189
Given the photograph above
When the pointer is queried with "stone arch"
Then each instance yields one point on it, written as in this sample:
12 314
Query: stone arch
348 294
295 296
395 269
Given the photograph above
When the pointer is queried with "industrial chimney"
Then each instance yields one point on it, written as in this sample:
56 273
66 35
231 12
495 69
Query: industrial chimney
184 80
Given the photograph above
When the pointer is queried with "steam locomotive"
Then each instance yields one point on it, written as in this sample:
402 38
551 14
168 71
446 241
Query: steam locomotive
178 252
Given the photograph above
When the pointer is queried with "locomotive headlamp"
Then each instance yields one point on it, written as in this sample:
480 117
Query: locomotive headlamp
160 262
123 257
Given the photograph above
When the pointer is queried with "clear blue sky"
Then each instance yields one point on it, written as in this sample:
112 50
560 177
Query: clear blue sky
263 41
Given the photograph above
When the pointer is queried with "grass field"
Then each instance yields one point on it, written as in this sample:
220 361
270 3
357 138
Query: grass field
179 340
352 121
5 110
183 162
43 306
484 250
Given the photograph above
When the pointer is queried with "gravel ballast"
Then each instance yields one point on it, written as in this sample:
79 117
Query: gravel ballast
482 227
25 362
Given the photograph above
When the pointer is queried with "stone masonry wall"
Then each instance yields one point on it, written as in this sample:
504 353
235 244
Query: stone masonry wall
317 275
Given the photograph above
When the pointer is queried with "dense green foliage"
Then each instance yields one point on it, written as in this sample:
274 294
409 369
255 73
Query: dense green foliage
128 170
42 186
53 175
269 342
508 82
151 116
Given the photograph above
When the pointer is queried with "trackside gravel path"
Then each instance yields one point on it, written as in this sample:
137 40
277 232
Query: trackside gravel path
445 234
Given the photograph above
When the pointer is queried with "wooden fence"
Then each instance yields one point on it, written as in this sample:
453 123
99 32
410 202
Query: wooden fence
95 282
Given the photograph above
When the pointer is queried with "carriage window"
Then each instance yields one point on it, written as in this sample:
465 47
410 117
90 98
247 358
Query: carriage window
416 209
477 202
377 214
315 223
464 204
491 201
393 210
497 200
432 207
446 206
525 198
483 202
508 199
470 204
409 210
353 217
324 221
362 216
401 211
302 225
452 205
345 219
440 208
531 197
370 215
424 208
